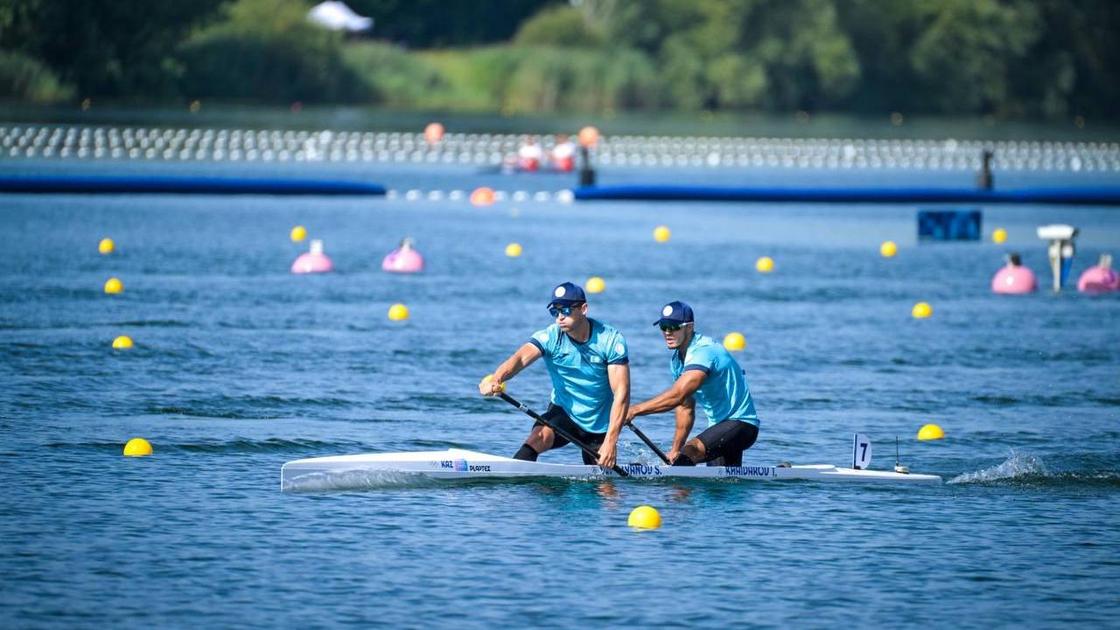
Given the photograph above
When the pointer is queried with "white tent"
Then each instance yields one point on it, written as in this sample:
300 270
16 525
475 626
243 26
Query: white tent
338 17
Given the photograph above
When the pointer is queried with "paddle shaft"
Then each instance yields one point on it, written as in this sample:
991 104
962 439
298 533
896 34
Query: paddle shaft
562 433
650 444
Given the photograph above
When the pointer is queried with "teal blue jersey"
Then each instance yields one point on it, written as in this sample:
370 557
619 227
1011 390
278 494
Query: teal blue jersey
724 394
579 371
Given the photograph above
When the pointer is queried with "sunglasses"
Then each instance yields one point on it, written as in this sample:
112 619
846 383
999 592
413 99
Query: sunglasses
670 327
557 311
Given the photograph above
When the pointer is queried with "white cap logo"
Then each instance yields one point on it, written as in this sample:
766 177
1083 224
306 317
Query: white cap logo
559 292
667 311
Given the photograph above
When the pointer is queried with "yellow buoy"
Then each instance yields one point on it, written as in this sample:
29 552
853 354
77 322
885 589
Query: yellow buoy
513 250
137 447
930 432
106 246
734 341
764 264
398 312
888 249
999 235
114 286
921 310
124 342
298 233
595 284
644 517
661 234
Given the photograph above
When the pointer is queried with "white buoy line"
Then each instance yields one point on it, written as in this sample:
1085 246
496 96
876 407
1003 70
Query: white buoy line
249 145
517 196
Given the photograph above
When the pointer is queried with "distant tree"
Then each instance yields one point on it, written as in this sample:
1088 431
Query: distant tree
561 26
119 48
1009 57
443 23
557 80
26 79
779 54
881 34
1073 68
808 60
1013 58
268 50
963 55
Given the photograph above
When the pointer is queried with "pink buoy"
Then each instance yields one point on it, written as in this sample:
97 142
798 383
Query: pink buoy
1014 278
1099 279
314 261
403 259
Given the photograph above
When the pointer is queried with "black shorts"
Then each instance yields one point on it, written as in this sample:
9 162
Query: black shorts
724 442
559 417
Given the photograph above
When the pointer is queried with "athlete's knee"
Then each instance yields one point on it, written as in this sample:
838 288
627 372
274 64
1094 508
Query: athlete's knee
541 439
694 450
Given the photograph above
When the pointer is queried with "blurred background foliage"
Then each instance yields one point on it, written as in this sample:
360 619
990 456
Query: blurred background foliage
1003 58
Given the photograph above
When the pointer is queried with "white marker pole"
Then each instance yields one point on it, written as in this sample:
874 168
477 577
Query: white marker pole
1060 252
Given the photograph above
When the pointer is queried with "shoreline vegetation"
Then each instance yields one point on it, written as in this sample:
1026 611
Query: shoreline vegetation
991 60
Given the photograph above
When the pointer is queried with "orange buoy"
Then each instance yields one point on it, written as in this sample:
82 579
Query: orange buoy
433 133
588 136
482 196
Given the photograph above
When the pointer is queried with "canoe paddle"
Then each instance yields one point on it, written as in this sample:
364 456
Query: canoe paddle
562 433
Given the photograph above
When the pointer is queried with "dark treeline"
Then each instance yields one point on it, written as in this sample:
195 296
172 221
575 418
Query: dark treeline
1006 58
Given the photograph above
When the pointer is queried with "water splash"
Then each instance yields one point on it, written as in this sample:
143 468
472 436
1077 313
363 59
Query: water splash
1019 466
636 453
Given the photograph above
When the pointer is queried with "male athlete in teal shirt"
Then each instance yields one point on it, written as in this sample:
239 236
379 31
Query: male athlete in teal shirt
704 372
590 372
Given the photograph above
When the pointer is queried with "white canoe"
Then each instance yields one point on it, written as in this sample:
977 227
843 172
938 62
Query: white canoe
372 469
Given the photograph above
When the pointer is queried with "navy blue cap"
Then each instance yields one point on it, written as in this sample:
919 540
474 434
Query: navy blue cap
675 313
567 294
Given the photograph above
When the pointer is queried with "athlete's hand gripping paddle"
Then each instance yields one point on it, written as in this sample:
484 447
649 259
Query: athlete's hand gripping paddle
562 433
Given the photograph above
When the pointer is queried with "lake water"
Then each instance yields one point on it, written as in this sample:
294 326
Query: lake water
240 366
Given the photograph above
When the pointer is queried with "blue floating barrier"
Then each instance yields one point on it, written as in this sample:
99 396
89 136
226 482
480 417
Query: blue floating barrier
949 225
1098 195
128 184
